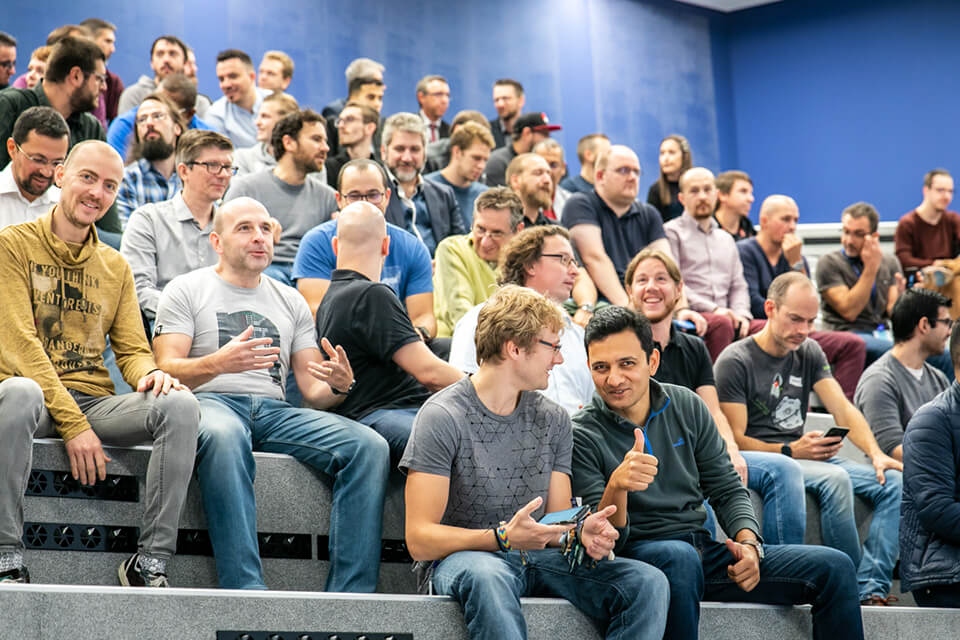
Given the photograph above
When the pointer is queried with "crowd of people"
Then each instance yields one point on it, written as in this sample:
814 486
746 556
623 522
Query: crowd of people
578 386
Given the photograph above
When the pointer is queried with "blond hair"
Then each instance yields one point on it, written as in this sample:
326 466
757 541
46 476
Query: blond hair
514 314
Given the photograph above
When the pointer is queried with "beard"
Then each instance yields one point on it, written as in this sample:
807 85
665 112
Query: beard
153 149
540 198
82 100
36 184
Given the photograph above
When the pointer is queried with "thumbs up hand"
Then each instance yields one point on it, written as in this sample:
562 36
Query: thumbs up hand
637 470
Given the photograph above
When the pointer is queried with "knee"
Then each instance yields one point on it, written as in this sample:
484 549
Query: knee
682 563
21 404
370 448
179 410
834 479
893 487
221 437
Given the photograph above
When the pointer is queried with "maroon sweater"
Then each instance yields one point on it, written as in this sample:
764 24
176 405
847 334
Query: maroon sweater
918 243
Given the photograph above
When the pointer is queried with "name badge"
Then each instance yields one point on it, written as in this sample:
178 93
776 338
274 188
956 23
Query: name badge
796 381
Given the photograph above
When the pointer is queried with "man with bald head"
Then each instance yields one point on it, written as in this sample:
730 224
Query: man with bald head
395 371
775 250
233 334
609 226
64 293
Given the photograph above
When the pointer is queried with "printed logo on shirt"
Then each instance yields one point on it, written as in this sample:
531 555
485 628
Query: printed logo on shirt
787 414
796 381
776 386
230 325
56 293
680 442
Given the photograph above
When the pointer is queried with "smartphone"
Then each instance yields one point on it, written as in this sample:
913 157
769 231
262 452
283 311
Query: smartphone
686 326
837 432
567 516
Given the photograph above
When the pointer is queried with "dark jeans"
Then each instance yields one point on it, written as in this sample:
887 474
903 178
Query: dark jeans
940 595
696 567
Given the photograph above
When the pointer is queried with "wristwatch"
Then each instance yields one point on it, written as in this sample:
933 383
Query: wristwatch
756 544
586 306
798 265
337 392
786 450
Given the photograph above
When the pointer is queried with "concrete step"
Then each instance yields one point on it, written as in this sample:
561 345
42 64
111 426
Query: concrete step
42 612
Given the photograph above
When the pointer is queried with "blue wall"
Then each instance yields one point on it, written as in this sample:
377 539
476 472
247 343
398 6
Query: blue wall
635 70
837 102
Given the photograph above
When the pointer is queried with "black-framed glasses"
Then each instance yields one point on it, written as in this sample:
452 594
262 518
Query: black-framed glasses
215 168
373 197
565 260
40 160
947 322
553 345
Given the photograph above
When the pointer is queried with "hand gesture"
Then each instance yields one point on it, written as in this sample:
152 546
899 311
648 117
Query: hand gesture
524 532
745 571
160 382
245 354
598 536
900 282
336 370
637 470
813 446
692 316
740 465
87 459
882 462
792 248
870 253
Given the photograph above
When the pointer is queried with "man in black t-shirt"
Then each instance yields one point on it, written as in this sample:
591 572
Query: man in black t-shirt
394 369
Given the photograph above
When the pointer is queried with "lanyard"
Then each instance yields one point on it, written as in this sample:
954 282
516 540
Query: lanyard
857 270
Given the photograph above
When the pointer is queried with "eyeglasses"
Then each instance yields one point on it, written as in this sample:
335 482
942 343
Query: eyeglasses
947 322
438 94
40 160
373 197
7 64
493 235
553 345
156 116
346 120
629 171
565 260
215 168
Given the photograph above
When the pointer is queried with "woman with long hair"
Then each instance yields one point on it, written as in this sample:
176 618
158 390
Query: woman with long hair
675 158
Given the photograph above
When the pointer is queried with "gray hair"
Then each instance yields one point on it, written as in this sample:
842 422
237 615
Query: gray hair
407 122
363 68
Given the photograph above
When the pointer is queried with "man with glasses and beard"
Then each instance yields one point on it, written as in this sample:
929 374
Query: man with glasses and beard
71 85
38 145
152 177
299 143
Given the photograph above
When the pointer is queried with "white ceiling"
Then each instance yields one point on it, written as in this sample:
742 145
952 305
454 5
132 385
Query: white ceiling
727 6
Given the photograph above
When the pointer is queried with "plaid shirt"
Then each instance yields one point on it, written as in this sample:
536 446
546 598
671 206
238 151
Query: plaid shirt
142 184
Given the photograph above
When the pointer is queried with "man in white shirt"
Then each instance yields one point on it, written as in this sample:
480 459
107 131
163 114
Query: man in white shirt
37 146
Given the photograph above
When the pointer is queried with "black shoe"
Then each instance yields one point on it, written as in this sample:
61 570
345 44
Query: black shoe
15 576
131 574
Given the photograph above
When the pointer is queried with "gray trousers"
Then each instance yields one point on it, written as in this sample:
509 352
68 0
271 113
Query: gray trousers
168 422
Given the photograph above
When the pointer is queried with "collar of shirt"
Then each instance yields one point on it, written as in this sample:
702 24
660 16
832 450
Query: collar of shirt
428 121
687 220
9 185
182 211
396 185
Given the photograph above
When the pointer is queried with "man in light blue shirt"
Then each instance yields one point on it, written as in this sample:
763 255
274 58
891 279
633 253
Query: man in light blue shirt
233 115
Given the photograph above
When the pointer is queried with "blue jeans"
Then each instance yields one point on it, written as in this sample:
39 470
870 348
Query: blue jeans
876 347
394 425
281 272
627 598
696 567
779 481
232 427
834 483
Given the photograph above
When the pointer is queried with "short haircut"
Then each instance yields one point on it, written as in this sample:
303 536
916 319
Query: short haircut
286 101
663 189
46 121
69 53
425 80
510 82
193 142
42 53
548 145
501 198
469 133
955 345
231 54
61 32
363 68
96 25
172 109
173 39
523 250
364 164
863 210
516 165
930 175
355 85
469 115
286 62
777 292
7 40
291 125
589 143
181 90
407 122
725 181
672 269
912 305
515 314
613 320
367 114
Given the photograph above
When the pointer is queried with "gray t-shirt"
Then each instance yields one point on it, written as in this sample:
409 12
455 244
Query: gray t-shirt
888 394
774 390
496 464
299 208
835 269
212 311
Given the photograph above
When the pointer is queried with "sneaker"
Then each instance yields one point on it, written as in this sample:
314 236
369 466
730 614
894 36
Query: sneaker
131 574
15 576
